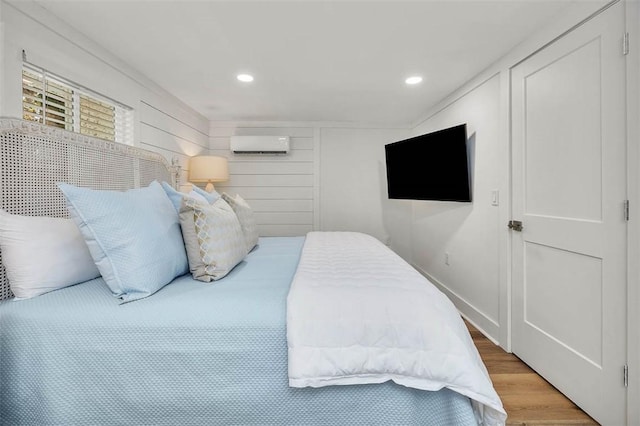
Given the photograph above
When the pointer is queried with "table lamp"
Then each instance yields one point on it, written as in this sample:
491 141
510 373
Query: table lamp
208 168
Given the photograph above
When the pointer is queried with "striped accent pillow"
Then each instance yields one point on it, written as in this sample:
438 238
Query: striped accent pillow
212 237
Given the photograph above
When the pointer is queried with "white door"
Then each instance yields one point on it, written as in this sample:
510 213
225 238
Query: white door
569 188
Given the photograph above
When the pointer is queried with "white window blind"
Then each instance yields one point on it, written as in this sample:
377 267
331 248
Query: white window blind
53 101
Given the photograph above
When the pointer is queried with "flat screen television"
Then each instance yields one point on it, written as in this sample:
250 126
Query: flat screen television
430 167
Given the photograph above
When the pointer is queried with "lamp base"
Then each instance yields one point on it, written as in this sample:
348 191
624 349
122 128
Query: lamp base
209 187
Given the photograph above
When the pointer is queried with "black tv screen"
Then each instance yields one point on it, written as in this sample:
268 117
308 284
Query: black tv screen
430 167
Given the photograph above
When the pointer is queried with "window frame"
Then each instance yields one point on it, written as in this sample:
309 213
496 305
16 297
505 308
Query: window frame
58 102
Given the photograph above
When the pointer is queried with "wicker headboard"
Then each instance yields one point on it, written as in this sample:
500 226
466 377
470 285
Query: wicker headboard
33 158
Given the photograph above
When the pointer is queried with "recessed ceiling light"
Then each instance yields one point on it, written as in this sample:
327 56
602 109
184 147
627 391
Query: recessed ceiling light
246 78
413 80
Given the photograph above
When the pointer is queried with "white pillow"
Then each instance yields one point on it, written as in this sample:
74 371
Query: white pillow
212 237
246 219
42 254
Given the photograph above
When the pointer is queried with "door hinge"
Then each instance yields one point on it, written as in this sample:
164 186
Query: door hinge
625 44
626 210
626 376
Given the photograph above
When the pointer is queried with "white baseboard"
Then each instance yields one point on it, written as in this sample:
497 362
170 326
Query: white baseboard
487 326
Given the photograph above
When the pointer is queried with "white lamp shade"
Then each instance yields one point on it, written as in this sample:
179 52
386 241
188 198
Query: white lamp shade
208 168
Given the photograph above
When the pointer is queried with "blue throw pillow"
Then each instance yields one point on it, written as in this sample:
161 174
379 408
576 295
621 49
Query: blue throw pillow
176 197
211 197
134 237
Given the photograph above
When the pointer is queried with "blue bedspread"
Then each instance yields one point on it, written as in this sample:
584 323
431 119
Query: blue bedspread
191 354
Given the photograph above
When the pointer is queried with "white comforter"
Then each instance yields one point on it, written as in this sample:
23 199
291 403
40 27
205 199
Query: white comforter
357 313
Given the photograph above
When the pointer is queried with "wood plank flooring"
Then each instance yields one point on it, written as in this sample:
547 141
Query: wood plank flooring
527 397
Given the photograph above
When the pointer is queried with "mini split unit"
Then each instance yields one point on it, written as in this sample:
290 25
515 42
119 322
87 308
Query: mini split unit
260 144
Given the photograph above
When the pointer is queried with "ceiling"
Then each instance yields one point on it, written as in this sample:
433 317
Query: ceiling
312 60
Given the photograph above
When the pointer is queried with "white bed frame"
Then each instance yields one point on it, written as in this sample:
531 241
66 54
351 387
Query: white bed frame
34 157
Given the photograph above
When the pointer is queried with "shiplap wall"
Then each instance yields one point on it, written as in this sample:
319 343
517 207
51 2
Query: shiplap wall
174 134
162 123
281 189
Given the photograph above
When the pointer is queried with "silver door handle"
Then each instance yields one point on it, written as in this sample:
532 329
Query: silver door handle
515 225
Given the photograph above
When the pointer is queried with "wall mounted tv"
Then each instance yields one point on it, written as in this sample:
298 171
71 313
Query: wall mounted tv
430 167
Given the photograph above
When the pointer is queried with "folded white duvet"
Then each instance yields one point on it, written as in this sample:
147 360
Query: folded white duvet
357 313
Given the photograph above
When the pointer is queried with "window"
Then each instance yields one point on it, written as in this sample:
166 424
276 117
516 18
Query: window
53 101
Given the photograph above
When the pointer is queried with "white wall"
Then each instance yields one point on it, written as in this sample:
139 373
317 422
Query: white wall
333 178
161 122
281 189
468 232
353 187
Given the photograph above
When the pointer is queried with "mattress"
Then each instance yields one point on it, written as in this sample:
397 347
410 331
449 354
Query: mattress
193 353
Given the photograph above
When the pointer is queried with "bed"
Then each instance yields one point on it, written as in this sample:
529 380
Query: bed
192 353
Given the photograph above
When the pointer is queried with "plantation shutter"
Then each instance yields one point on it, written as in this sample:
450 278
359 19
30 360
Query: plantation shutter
32 96
46 100
56 102
97 118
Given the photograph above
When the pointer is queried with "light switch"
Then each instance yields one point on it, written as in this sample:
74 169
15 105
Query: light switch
495 197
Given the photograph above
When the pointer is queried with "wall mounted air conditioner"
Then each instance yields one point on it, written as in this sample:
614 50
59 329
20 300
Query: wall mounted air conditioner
260 144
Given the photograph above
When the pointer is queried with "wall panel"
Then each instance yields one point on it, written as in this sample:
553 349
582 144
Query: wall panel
167 133
271 168
269 193
279 188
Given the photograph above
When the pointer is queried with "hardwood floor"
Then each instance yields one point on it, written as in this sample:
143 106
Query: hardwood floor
527 397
